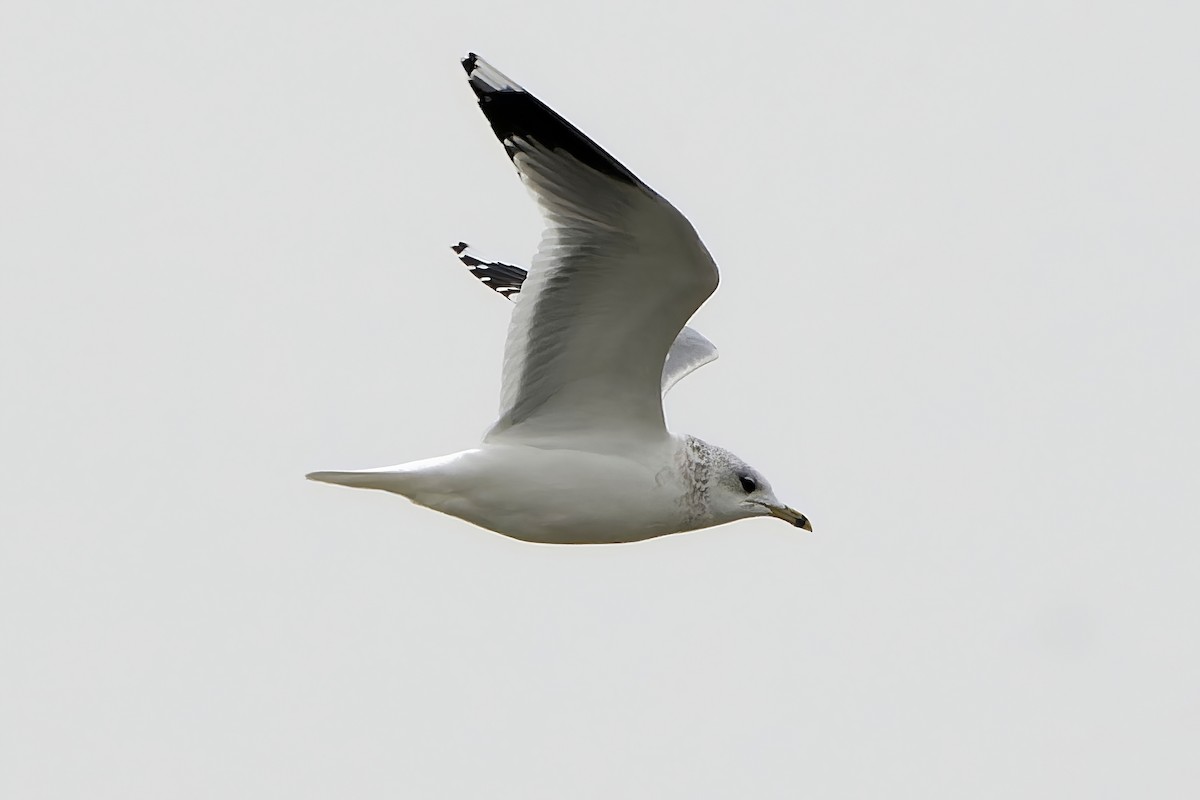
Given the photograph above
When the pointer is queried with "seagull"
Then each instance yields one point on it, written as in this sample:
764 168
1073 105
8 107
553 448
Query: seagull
580 453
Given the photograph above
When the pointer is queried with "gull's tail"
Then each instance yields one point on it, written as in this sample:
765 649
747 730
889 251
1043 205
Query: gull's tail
387 478
414 480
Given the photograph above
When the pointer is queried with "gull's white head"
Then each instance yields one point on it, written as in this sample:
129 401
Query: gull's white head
727 488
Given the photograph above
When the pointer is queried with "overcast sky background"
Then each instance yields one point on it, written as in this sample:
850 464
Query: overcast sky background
958 326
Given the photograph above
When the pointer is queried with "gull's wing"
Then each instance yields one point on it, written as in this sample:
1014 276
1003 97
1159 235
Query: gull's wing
688 352
617 275
506 279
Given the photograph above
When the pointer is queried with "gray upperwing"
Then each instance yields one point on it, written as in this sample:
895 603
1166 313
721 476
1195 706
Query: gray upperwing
690 350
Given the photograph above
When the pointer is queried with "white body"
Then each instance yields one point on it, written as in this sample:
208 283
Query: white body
554 496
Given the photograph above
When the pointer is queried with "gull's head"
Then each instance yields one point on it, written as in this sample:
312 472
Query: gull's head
751 492
735 490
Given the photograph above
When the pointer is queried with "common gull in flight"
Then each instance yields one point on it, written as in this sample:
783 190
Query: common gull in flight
581 453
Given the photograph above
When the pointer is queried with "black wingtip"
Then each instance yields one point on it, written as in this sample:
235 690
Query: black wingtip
515 114
505 279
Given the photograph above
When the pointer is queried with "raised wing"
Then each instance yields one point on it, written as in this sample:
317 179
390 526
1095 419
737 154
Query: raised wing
617 275
690 350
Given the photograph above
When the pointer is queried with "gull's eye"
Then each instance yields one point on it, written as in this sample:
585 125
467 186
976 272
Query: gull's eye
748 484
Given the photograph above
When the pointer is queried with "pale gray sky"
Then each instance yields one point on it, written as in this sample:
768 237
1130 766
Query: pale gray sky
958 327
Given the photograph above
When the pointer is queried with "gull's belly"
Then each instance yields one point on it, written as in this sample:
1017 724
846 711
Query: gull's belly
559 496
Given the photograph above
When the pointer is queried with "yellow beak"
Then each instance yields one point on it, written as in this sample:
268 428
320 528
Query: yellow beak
791 516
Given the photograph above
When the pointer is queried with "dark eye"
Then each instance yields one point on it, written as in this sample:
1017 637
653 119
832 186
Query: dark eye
748 484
